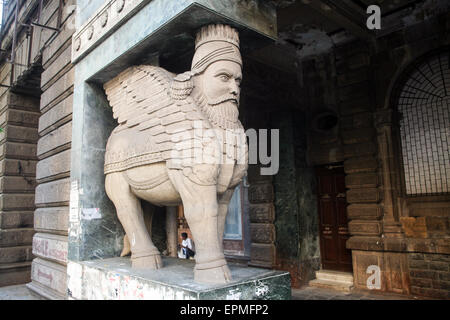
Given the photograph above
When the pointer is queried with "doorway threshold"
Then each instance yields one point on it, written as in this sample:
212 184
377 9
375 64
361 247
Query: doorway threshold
335 280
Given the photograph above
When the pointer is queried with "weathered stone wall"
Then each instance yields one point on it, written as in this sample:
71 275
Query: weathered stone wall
53 151
406 237
18 120
296 221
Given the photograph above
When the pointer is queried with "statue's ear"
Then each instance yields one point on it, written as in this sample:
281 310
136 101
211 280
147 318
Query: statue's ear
182 85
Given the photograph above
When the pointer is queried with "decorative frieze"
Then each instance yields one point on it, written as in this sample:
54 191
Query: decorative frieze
106 19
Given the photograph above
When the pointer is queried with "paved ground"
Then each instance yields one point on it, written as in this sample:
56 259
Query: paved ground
20 292
312 293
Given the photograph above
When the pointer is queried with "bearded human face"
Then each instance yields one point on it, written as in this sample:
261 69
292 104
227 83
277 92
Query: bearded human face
221 83
219 88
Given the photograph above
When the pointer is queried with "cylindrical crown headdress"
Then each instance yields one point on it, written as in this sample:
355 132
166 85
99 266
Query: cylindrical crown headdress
215 43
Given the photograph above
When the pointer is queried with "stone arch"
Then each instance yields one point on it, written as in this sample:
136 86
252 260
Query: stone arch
418 100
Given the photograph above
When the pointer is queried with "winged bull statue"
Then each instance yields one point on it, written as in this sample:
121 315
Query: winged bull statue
179 141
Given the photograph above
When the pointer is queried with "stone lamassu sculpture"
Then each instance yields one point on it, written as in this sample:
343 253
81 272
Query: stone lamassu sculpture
179 140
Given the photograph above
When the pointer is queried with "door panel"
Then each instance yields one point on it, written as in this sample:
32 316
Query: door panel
333 224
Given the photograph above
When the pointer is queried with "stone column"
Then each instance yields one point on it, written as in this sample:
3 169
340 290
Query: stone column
383 123
171 231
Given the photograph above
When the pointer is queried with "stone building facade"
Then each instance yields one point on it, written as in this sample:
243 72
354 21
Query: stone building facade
364 172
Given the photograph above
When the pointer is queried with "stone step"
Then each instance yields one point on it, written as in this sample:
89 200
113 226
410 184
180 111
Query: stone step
333 285
337 276
44 292
15 273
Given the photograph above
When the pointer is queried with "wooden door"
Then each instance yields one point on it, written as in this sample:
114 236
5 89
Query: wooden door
333 225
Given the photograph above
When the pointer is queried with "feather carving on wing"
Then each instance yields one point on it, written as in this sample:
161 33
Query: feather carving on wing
157 120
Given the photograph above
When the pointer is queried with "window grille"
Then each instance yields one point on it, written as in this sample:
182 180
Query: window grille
424 107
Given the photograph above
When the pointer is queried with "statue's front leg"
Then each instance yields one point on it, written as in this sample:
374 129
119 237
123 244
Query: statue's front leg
201 212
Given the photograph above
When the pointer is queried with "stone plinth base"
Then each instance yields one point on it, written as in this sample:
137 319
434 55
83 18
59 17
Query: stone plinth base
15 273
114 279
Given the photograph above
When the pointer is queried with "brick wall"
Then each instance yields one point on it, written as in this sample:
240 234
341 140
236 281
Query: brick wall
430 274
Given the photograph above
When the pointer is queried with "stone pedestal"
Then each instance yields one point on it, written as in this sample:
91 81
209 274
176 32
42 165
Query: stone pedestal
114 279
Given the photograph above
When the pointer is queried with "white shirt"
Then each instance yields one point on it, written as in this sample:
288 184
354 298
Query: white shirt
188 243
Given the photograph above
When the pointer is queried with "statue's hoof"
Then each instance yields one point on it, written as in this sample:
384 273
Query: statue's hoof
153 261
217 275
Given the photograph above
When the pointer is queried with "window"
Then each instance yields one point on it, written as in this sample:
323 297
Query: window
233 223
424 105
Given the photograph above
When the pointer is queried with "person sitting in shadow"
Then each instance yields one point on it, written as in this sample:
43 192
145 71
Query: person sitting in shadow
187 246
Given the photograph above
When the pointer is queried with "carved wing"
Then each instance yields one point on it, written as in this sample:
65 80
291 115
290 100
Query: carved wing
151 106
135 92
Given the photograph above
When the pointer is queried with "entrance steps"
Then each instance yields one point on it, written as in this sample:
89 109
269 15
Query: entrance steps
335 280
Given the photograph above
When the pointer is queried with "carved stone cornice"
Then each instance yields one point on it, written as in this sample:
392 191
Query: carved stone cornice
103 22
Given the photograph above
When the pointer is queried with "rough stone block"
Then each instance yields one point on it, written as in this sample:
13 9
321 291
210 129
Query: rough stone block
16 237
54 165
352 77
52 219
11 201
418 264
357 135
416 256
260 193
363 195
18 167
439 266
262 254
414 227
20 118
354 92
364 212
14 273
50 274
57 88
424 283
361 180
360 120
55 139
262 213
364 227
425 274
16 150
52 69
365 243
360 164
326 154
354 106
262 232
434 293
15 254
359 150
23 102
50 120
57 43
17 184
254 175
53 192
50 247
16 219
19 134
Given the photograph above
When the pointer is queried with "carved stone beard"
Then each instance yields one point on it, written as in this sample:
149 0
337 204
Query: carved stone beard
224 115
